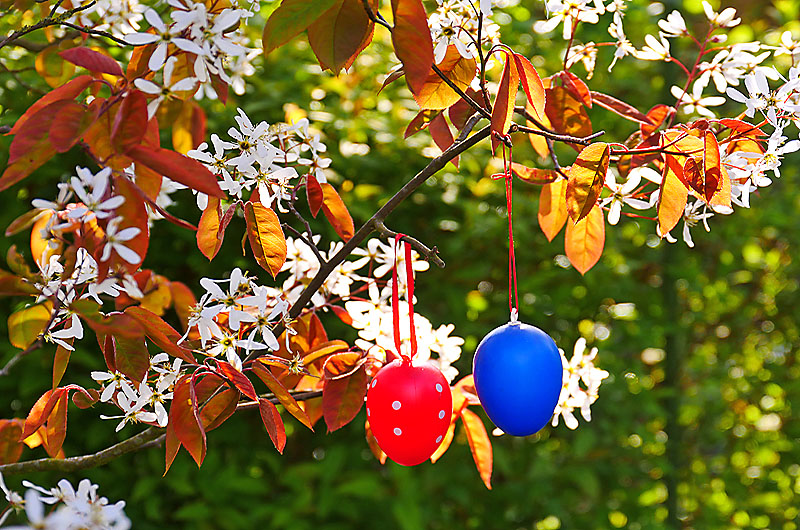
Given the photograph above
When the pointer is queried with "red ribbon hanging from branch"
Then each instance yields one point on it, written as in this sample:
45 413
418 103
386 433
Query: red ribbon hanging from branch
396 301
513 295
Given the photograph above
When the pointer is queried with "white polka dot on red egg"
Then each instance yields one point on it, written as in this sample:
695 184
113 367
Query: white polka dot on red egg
396 405
438 387
439 439
397 431
441 414
368 412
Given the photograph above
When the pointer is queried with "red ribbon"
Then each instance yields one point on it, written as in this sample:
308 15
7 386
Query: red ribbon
513 304
396 301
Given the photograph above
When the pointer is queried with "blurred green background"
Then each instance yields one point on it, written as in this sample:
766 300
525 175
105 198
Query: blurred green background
694 428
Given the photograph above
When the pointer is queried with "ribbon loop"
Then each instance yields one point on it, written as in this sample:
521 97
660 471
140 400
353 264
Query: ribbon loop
396 301
513 295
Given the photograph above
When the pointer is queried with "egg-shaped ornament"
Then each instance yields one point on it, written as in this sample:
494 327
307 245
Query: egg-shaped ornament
518 377
408 408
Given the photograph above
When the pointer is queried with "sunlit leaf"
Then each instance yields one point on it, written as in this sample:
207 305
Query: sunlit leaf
336 212
531 84
479 444
503 109
10 445
266 236
435 92
282 393
290 19
273 423
340 34
25 325
343 395
672 197
92 60
184 419
586 179
162 334
412 42
585 239
177 167
553 208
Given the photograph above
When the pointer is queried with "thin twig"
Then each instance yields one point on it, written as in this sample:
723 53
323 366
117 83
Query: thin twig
305 240
430 254
474 104
375 18
50 20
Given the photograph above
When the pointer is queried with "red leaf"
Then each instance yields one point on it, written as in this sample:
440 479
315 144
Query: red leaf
281 392
531 83
70 123
185 420
130 123
575 86
442 136
343 397
504 102
116 324
92 60
621 108
31 147
273 423
219 408
67 91
161 333
134 214
182 300
178 167
412 42
341 33
239 380
566 114
131 357
314 194
342 313
656 115
336 212
460 111
212 226
585 239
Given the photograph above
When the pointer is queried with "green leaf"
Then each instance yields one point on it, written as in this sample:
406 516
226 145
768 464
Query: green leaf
25 325
290 19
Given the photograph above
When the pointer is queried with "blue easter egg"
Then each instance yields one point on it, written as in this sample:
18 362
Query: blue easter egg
517 371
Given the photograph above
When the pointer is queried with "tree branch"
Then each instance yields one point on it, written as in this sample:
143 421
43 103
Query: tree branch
548 133
75 463
376 18
50 20
431 254
474 104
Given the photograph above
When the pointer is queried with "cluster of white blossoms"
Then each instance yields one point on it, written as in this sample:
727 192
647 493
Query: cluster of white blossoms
264 159
118 17
581 382
63 508
455 22
235 308
213 36
144 401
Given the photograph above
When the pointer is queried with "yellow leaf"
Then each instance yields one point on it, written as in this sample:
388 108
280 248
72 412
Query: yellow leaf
673 195
25 325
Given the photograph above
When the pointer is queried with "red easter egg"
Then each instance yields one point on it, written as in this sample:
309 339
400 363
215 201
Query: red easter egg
409 407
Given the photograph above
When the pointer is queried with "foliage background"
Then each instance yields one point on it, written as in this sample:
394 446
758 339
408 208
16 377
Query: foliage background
694 418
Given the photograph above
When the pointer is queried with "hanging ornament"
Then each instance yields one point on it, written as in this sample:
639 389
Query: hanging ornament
517 367
408 403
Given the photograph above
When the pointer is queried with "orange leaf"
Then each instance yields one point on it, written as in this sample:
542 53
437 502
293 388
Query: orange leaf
575 86
436 94
335 210
134 213
341 33
41 411
219 408
283 395
531 84
266 236
60 362
185 420
323 351
239 380
445 445
412 42
10 445
373 444
57 426
182 300
585 239
712 166
534 175
621 108
586 178
503 109
69 125
211 228
553 208
566 114
479 444
656 115
273 423
672 197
